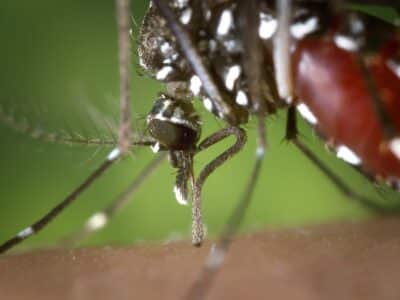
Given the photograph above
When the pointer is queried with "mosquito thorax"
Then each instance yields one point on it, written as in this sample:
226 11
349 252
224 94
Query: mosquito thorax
215 28
174 124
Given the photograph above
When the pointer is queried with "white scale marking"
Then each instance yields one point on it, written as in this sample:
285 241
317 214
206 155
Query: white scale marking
114 154
195 85
231 76
179 196
25 233
155 148
300 30
241 98
394 66
186 16
260 152
208 15
394 146
167 61
268 26
208 104
307 114
97 221
164 72
174 120
179 120
347 155
181 3
225 22
346 43
166 48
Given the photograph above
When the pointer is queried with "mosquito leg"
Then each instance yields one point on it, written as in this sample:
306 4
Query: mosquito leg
291 135
101 218
253 54
46 219
52 214
124 45
241 138
124 138
215 259
238 214
281 51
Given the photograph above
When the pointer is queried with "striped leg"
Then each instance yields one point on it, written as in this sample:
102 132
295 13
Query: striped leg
292 136
101 218
123 18
45 220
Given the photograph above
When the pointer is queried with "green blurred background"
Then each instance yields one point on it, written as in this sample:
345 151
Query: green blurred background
58 67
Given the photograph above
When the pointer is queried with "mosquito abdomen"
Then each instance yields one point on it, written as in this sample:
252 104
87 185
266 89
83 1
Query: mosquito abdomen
331 83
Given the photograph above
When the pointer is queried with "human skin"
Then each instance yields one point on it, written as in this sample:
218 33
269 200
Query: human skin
350 260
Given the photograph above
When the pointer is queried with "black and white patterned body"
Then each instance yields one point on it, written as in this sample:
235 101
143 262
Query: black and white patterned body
214 29
219 35
175 125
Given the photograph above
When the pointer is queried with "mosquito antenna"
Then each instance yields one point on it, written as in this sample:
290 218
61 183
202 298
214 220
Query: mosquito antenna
51 137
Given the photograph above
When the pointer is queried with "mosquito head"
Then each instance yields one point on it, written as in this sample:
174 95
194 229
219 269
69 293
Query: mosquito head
174 124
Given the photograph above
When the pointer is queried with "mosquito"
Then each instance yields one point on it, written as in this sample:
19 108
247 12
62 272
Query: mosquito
248 59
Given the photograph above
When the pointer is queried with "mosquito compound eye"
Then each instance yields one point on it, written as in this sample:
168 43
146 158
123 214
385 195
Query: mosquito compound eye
174 124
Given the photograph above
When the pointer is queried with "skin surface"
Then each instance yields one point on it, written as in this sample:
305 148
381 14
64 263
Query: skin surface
338 261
